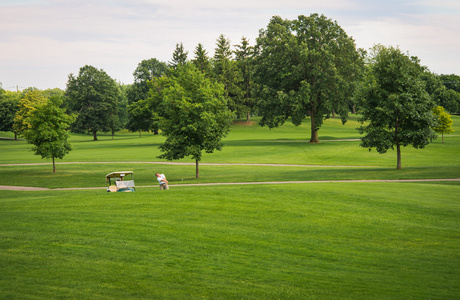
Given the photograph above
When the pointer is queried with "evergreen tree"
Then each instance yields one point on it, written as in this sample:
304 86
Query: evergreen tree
226 72
179 56
243 55
201 59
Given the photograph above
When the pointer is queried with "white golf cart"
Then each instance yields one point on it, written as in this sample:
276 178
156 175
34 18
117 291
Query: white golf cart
117 183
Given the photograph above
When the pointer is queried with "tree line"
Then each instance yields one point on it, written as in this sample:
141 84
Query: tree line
307 67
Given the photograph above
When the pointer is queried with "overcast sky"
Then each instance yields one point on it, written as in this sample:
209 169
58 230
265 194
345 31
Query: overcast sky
43 41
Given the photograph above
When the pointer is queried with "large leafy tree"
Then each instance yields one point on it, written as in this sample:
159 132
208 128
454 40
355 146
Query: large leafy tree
94 96
44 124
140 114
8 108
308 66
396 109
193 113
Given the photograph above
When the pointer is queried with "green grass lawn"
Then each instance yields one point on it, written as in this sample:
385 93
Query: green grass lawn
285 241
253 144
303 241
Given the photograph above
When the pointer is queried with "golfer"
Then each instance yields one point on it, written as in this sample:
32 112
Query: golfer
162 180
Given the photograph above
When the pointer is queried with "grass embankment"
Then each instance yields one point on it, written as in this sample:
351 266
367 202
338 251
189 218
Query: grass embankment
329 240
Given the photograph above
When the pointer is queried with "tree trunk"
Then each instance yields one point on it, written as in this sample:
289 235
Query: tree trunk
113 133
15 136
54 166
94 135
197 169
354 108
398 146
155 131
314 132
442 134
248 117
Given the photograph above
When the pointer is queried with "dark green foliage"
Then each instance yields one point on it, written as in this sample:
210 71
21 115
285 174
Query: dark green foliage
244 55
201 60
226 72
140 114
307 66
451 82
179 56
8 108
94 96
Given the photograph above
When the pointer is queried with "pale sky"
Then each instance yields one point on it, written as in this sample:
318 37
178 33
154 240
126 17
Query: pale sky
43 41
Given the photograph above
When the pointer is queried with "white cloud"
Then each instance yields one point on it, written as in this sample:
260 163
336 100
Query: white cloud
45 40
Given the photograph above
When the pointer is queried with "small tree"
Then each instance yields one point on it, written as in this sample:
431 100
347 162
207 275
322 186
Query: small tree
193 113
44 124
395 103
444 125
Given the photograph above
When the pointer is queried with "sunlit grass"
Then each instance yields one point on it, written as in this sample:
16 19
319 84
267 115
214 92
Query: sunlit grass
328 240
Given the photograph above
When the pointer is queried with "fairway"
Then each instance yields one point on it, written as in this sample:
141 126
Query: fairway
329 240
316 240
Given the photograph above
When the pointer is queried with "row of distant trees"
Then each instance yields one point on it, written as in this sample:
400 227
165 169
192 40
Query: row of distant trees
307 67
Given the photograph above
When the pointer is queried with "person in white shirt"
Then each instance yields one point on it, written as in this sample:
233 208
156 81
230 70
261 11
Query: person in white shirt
162 180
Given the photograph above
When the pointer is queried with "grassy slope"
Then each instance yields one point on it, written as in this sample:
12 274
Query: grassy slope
347 241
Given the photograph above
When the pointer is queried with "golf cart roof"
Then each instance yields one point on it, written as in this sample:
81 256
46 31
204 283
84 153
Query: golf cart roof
118 174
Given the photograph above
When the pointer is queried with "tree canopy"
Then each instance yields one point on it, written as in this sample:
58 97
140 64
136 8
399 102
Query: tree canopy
304 67
193 113
8 108
44 124
396 110
140 113
94 96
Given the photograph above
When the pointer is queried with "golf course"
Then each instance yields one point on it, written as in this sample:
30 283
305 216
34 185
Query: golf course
270 217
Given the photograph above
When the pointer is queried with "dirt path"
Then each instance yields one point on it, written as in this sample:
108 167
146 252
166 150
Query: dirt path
24 188
185 164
